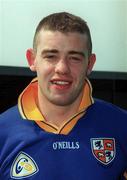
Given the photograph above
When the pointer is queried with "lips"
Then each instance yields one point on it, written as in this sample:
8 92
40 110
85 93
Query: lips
61 84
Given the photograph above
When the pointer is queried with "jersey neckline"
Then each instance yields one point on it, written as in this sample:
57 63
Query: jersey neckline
28 108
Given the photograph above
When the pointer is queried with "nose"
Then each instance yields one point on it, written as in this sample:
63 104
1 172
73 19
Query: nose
62 67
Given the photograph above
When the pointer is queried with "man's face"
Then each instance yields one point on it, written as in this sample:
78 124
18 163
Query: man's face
61 63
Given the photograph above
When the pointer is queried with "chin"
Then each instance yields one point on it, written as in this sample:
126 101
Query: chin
62 102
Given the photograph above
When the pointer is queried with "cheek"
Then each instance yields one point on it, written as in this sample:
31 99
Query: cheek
80 72
45 71
84 70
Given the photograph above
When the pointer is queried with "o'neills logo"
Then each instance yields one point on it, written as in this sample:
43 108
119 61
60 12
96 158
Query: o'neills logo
65 145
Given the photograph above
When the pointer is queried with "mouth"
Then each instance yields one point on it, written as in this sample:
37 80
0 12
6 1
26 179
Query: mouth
61 84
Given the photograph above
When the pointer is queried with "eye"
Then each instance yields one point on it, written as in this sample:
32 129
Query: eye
75 58
50 57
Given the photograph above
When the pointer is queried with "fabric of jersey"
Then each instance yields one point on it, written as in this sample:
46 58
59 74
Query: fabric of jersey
92 146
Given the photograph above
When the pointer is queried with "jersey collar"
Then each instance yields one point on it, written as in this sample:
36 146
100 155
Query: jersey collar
27 104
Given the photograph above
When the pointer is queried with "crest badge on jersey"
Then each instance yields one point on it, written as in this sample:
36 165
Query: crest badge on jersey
23 166
103 149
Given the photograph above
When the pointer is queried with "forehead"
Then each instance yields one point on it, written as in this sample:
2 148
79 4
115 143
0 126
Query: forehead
56 39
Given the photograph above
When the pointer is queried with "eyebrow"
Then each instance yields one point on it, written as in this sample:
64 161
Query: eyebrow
83 54
49 51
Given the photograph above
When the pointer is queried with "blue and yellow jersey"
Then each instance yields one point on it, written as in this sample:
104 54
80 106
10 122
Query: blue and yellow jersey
90 145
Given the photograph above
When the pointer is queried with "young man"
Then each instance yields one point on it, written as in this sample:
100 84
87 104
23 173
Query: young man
58 131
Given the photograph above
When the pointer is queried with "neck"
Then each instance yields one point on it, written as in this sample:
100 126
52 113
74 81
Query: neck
57 115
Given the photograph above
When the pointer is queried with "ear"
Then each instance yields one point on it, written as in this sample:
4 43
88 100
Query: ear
91 62
30 55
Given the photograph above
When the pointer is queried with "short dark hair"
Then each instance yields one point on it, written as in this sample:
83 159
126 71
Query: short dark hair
64 22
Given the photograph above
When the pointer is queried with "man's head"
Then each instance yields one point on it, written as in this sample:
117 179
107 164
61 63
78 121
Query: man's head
62 57
66 23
